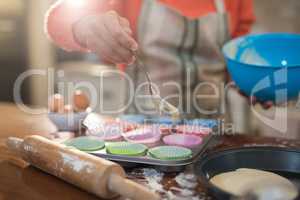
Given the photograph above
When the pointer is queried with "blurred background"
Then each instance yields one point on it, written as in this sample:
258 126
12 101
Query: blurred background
23 46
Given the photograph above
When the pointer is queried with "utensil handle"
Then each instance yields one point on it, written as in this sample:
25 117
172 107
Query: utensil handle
15 144
130 189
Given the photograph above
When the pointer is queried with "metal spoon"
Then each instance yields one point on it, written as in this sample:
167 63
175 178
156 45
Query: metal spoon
161 104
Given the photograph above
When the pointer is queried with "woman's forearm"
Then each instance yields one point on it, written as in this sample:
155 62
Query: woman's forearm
61 17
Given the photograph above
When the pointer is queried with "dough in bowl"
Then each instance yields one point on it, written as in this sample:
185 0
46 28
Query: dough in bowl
265 185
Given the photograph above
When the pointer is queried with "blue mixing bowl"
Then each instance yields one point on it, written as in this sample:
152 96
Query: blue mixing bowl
265 65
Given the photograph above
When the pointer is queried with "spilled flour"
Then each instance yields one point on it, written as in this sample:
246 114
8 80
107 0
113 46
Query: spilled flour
187 189
187 180
154 179
182 187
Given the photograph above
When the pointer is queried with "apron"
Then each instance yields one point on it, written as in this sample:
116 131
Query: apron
178 53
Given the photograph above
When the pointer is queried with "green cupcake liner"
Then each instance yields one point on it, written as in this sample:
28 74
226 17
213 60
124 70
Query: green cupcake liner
88 144
126 149
170 153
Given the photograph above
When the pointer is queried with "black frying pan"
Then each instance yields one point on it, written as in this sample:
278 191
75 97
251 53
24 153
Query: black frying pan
283 161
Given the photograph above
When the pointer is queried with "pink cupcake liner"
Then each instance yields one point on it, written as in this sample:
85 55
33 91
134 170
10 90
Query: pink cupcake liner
183 140
193 130
107 131
144 135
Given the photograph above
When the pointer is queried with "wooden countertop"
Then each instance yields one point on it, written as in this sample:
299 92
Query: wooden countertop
20 181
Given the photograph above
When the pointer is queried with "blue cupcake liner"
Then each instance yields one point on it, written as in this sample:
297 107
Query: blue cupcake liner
139 119
164 120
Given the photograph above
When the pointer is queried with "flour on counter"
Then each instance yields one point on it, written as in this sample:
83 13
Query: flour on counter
154 179
186 188
187 180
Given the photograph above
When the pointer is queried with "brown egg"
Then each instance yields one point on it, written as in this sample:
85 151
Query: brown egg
56 103
81 101
68 108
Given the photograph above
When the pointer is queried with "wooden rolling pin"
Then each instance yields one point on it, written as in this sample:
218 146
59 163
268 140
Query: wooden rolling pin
90 173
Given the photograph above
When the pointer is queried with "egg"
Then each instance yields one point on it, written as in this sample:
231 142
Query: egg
81 101
68 108
56 103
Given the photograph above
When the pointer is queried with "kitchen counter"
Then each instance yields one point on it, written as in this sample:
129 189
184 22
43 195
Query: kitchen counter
20 181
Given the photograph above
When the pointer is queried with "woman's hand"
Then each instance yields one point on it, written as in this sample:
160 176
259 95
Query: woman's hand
108 35
253 100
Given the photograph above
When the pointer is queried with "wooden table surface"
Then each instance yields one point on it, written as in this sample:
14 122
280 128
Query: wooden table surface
20 181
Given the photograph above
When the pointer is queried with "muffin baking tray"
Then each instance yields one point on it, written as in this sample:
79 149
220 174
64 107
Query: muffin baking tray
165 165
282 161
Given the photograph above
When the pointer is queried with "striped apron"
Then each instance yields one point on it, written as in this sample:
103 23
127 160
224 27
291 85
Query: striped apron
180 53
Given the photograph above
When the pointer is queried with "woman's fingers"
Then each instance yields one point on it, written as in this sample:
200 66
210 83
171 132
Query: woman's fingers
126 25
107 35
253 100
100 48
267 105
116 51
113 25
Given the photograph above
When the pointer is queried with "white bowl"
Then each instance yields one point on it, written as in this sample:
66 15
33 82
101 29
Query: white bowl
68 121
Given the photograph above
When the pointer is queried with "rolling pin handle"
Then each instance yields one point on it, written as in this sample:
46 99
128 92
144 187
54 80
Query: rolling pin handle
14 144
130 189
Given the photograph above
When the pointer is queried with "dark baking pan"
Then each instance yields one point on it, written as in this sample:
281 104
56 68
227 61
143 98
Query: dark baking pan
283 161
